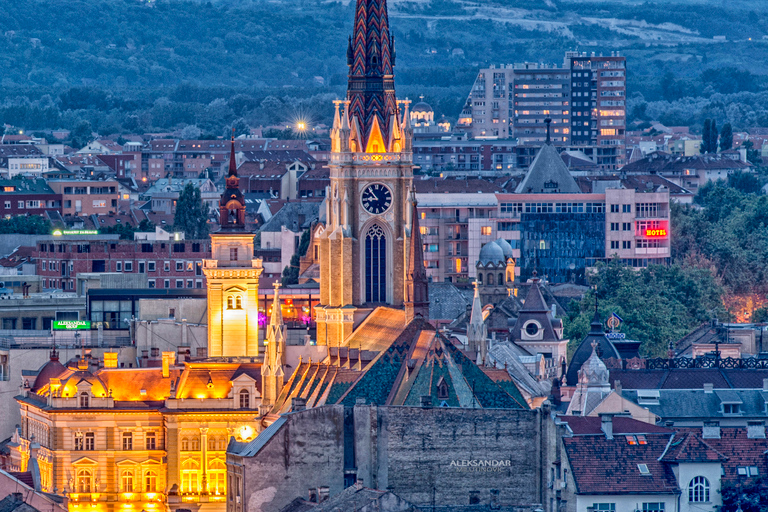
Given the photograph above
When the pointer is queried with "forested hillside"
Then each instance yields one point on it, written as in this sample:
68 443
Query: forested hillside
129 65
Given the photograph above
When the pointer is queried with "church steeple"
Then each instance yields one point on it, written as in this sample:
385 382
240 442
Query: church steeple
232 203
416 287
370 56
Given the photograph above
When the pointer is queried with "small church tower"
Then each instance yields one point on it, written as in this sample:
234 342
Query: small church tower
233 278
272 371
416 287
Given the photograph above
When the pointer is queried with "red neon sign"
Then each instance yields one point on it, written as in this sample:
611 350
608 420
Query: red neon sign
656 232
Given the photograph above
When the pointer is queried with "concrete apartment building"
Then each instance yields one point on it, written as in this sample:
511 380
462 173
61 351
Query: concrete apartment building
585 99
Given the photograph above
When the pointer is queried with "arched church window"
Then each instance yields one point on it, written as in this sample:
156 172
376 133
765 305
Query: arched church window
184 444
479 278
238 302
490 279
84 480
442 390
375 265
501 278
234 302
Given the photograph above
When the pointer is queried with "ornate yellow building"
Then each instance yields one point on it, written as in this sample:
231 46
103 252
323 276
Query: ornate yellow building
143 439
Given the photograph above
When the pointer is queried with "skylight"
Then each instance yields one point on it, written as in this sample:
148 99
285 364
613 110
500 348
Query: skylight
643 469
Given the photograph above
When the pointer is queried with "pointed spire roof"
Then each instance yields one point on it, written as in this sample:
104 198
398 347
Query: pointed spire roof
417 299
232 160
476 330
276 320
370 56
548 174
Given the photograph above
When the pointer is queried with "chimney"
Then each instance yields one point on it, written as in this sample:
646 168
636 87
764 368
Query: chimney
323 493
313 495
169 358
298 404
617 386
709 387
606 425
359 484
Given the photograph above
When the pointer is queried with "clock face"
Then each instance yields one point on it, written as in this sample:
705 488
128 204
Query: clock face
377 198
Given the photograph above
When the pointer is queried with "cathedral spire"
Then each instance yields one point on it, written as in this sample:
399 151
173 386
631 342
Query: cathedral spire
416 287
370 56
232 159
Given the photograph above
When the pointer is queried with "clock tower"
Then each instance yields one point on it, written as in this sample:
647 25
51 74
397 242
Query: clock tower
369 205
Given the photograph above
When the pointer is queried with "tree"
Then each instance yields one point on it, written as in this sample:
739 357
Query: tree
291 272
191 132
240 127
705 136
25 225
191 215
726 137
713 137
82 134
753 155
751 496
760 315
745 182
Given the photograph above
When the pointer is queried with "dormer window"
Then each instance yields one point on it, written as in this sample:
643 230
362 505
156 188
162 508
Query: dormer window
731 409
442 390
84 400
245 399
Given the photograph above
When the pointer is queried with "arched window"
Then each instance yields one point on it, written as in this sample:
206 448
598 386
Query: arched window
245 399
490 279
184 444
238 302
194 445
698 490
190 471
501 279
84 400
217 474
442 389
234 301
375 265
230 302
126 481
479 278
211 443
150 481
84 480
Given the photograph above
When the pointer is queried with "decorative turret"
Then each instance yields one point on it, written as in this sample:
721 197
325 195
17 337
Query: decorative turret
477 332
272 373
416 287
232 203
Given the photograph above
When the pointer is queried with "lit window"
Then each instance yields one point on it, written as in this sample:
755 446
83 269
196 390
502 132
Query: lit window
485 230
83 399
126 481
84 480
458 265
127 441
150 481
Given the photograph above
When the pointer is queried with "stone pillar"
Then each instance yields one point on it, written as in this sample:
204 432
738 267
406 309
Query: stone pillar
204 458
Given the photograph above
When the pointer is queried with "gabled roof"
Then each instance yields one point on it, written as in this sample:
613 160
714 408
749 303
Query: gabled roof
548 174
610 466
690 447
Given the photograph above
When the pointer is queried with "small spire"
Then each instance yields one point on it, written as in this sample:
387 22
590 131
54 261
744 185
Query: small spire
548 121
232 161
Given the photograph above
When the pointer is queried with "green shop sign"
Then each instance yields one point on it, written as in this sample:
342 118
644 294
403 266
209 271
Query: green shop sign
68 325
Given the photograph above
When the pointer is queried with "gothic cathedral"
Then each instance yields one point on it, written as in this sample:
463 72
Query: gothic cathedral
369 204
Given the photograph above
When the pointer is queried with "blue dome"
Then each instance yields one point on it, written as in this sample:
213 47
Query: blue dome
505 247
491 254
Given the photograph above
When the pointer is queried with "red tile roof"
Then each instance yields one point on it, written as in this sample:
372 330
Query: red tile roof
589 425
610 466
690 447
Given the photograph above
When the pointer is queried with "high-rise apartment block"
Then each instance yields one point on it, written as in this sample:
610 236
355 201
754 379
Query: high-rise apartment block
585 100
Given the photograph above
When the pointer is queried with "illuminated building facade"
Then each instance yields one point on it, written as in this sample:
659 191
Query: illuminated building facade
143 439
368 207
